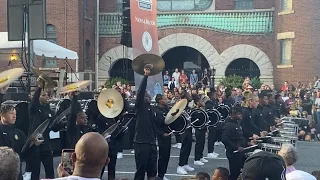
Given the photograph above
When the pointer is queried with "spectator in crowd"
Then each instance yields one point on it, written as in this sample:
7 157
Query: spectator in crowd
176 76
220 173
299 175
193 78
166 78
10 164
264 165
203 176
289 154
91 155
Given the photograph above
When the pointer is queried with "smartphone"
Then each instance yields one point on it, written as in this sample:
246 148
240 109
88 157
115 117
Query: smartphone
66 160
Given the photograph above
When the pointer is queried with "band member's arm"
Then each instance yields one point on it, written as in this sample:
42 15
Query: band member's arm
35 104
141 92
71 124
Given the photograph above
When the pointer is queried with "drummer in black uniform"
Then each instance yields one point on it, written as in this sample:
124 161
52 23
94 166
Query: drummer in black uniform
145 148
185 150
247 123
39 111
116 137
164 140
200 134
212 135
10 136
232 138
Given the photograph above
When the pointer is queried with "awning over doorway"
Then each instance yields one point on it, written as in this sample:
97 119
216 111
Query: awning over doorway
40 48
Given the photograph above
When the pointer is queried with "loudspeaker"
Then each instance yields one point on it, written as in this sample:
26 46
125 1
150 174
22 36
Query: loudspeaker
126 37
16 19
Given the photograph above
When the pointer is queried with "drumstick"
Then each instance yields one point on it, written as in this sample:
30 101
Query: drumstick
195 121
246 148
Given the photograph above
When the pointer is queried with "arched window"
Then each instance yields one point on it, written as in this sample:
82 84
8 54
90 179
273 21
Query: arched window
183 5
51 37
87 55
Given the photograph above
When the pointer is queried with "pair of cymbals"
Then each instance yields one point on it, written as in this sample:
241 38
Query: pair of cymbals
74 87
49 83
176 111
110 103
8 76
150 61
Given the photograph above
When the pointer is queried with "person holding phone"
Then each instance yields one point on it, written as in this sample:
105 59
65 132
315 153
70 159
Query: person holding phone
39 111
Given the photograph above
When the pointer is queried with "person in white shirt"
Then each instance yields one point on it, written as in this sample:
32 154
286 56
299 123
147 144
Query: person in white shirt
299 175
91 155
176 76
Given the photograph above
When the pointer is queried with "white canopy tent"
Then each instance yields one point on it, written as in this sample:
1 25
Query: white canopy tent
40 48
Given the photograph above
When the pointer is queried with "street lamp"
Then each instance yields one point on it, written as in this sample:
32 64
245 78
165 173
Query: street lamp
13 58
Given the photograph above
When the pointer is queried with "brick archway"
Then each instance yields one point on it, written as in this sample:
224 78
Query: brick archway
190 40
109 58
250 52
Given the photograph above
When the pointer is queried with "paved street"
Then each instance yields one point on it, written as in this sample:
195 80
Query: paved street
309 160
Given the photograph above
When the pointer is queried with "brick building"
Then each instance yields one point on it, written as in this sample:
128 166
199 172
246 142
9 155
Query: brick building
70 24
279 39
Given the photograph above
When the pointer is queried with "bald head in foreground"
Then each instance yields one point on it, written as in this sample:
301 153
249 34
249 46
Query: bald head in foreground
91 155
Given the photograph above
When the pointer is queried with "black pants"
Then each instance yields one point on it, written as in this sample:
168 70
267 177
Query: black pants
178 137
212 138
164 144
112 164
42 153
131 132
186 147
200 141
146 160
236 162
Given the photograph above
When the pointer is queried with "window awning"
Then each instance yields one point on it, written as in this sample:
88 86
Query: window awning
40 48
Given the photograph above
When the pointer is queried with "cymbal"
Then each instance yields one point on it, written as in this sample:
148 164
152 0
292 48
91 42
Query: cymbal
176 111
34 135
110 130
59 118
154 62
74 87
49 82
110 103
8 76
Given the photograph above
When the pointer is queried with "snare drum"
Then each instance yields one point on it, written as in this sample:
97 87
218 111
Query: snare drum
280 141
224 111
270 147
214 117
199 118
293 139
287 133
180 125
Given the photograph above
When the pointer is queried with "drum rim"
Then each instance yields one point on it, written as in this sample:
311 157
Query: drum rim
183 116
204 113
215 112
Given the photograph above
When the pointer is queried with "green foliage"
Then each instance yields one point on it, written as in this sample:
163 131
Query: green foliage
237 81
256 83
113 81
233 81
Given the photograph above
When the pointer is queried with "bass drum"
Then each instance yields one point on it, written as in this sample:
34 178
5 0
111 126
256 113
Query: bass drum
22 118
180 125
224 111
62 105
214 117
199 118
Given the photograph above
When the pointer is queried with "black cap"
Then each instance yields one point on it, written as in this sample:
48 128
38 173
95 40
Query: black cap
263 165
158 98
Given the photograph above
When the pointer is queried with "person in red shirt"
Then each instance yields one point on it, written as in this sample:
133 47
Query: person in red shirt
183 78
285 86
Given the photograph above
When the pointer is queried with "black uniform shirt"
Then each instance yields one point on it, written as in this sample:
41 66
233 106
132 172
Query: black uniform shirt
211 104
12 137
161 112
247 123
145 123
232 136
268 115
259 119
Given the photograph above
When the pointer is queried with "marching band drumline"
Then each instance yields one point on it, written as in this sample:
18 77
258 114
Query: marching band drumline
110 115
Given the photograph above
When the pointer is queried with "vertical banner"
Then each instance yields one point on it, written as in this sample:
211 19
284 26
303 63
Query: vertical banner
144 32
